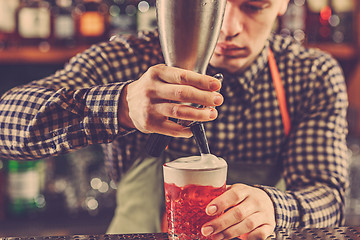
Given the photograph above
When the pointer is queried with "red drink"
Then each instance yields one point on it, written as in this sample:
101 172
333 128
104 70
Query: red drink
191 183
186 209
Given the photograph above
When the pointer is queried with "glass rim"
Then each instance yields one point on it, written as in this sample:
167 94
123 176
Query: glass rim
194 169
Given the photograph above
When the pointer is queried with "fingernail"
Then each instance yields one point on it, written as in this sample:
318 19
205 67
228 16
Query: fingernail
214 85
218 99
211 209
206 231
219 236
213 113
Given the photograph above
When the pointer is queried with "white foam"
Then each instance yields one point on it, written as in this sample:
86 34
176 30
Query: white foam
207 170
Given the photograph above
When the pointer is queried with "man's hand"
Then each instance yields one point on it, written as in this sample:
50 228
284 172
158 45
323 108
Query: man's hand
248 213
148 103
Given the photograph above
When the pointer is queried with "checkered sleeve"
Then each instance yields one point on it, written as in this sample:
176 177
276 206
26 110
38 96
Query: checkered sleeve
315 157
73 108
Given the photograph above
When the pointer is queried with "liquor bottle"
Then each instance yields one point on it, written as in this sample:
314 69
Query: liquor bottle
24 179
34 23
7 22
294 20
92 21
123 16
63 23
317 21
146 17
342 20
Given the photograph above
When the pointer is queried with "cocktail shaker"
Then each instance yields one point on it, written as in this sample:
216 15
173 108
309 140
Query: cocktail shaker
188 30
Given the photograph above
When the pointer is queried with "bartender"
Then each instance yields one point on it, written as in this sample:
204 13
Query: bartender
279 122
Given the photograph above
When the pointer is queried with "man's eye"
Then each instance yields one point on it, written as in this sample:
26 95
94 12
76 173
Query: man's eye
255 7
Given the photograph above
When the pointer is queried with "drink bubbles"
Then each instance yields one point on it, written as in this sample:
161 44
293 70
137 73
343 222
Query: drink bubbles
206 170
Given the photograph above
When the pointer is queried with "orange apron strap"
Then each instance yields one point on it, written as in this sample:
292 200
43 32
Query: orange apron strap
280 92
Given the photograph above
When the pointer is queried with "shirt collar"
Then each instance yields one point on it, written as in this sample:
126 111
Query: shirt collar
249 76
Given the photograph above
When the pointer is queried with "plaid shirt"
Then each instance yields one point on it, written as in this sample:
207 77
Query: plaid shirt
78 106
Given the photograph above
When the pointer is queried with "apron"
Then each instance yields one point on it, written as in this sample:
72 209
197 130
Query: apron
140 193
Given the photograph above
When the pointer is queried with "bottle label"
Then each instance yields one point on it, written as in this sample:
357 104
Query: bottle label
7 15
34 23
92 24
147 20
294 18
343 5
124 24
316 5
64 27
23 185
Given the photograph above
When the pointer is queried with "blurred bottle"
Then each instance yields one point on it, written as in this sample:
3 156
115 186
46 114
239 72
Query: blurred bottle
24 188
63 23
123 16
7 22
34 23
342 20
92 21
146 17
318 28
293 23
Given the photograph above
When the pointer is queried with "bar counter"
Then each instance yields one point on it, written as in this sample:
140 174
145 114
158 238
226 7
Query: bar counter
339 233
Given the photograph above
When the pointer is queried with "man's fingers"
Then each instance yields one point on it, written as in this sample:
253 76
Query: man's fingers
184 112
262 232
232 197
170 128
252 227
239 214
162 93
189 94
244 213
185 77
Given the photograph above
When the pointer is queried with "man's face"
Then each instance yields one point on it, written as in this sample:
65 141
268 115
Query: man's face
246 26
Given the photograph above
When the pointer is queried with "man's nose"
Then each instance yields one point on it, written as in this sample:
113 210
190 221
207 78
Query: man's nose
232 24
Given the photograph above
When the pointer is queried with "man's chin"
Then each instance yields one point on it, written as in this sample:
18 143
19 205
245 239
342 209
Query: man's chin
232 65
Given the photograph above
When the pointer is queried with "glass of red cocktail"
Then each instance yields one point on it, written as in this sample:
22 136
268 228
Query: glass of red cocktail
190 184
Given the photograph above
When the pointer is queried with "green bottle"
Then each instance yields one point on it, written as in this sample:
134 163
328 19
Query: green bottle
24 179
